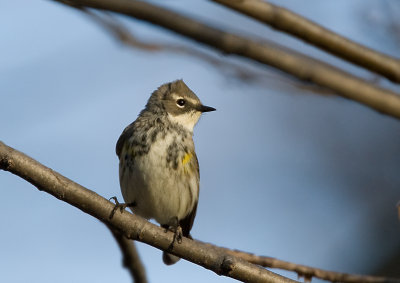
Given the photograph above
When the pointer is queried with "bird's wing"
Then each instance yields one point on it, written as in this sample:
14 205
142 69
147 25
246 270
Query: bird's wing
128 131
187 223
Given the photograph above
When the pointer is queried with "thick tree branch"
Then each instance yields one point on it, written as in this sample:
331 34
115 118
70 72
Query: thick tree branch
289 61
132 226
131 259
235 264
294 24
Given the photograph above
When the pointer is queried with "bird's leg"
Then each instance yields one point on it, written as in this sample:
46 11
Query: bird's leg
120 206
173 226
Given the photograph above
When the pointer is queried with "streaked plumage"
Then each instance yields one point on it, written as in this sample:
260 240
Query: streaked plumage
158 170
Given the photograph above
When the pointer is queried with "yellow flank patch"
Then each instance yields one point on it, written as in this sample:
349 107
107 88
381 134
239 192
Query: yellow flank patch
186 158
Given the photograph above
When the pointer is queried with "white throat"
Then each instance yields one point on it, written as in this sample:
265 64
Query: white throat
187 120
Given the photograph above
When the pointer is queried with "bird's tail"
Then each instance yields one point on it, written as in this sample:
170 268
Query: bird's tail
169 259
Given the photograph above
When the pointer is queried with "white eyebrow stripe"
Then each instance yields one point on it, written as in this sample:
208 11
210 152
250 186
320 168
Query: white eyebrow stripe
191 100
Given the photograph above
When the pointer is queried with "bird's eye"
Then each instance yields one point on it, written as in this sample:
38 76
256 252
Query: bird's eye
181 102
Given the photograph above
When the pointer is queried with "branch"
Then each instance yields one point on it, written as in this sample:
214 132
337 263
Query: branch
131 259
232 263
289 61
309 272
294 24
121 33
131 226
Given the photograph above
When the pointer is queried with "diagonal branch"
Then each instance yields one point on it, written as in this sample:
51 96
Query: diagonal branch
294 24
232 263
131 226
121 33
289 61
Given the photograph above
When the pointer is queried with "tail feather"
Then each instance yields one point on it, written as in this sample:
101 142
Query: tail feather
170 259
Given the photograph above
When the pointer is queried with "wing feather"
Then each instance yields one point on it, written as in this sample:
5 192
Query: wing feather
128 132
187 222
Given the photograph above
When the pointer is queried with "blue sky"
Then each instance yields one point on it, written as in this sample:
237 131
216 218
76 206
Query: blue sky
286 173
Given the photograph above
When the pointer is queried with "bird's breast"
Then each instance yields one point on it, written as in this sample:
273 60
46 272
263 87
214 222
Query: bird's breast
164 182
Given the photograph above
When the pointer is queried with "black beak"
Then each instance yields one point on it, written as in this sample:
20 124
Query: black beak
203 108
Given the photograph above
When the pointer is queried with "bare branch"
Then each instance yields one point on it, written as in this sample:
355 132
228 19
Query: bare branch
134 227
289 61
309 272
131 226
294 24
131 259
120 32
232 263
125 36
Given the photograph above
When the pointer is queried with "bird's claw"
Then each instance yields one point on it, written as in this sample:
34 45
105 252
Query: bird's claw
178 235
174 227
120 206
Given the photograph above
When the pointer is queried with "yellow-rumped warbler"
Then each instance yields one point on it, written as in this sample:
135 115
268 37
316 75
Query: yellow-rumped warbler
158 167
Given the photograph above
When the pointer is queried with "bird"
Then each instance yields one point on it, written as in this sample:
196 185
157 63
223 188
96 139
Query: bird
158 167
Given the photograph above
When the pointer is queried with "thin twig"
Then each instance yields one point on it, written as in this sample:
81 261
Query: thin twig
309 272
131 259
125 36
294 24
289 61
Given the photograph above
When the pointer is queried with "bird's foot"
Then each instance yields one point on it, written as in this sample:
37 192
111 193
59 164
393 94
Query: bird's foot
120 206
178 235
174 227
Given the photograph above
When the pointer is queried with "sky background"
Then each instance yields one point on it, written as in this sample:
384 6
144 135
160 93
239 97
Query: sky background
285 172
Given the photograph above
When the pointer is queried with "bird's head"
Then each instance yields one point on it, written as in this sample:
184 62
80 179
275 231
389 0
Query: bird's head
179 103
